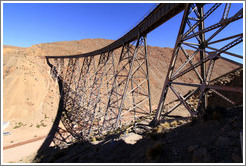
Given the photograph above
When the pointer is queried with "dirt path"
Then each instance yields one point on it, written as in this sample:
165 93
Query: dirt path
24 142
22 151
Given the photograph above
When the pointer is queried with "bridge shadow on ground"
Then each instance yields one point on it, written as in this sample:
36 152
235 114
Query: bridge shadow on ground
211 140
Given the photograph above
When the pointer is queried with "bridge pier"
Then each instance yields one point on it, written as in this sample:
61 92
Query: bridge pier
192 36
138 74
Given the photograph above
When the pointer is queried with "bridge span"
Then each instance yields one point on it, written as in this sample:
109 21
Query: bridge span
107 89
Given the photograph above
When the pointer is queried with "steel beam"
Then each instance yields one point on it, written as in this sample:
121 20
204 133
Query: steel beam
171 66
202 46
196 32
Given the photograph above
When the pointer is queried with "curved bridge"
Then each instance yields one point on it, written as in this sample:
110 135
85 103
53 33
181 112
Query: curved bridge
109 88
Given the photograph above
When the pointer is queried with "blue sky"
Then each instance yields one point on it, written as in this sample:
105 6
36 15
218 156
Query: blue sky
26 24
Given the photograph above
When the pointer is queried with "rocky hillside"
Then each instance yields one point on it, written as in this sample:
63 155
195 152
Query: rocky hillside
28 88
67 47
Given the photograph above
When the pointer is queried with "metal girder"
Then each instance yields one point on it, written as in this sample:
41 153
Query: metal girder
171 66
194 34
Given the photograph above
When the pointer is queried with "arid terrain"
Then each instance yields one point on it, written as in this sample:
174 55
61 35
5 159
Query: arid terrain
30 103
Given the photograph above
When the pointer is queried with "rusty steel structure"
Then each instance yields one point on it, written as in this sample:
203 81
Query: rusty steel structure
109 88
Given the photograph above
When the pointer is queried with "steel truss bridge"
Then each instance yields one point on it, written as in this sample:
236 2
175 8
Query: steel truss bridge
109 88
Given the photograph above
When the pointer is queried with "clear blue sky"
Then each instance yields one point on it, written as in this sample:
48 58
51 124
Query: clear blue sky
26 24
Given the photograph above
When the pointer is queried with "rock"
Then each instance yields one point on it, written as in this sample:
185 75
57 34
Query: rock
201 155
236 158
132 138
139 130
63 145
191 148
222 141
148 128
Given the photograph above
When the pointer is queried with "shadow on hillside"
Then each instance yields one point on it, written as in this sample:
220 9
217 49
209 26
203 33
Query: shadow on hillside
209 141
54 128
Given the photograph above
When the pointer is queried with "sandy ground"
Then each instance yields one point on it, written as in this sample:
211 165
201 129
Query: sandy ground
23 134
30 103
23 142
21 153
